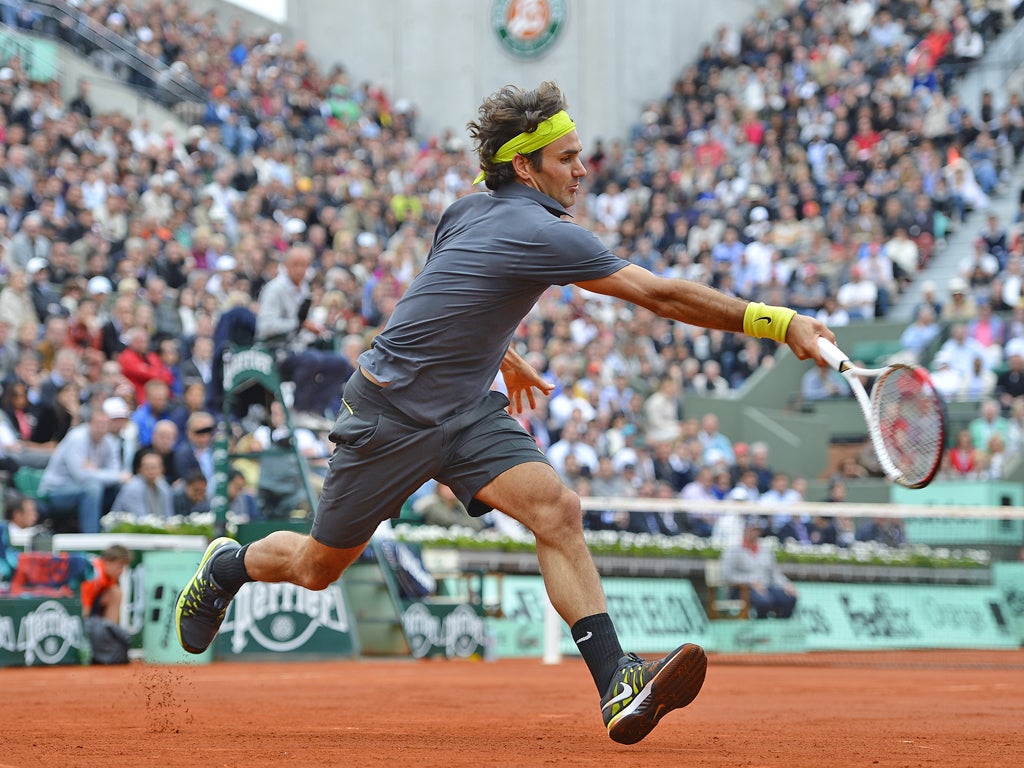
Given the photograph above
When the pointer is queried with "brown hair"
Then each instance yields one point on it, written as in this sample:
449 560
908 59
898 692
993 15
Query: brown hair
116 553
507 113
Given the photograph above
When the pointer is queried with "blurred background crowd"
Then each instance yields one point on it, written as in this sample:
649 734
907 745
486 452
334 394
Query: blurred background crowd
817 159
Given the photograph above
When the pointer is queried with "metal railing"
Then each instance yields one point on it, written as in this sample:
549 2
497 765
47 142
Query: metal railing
168 85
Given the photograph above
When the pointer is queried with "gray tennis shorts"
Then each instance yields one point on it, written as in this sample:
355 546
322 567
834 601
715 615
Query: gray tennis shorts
382 457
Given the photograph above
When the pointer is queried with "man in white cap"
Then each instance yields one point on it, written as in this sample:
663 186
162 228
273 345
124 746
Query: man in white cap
45 297
99 287
122 428
961 305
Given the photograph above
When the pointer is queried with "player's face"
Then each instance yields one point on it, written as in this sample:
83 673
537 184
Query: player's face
561 170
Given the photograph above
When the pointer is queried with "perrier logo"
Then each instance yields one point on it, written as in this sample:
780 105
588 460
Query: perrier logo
528 27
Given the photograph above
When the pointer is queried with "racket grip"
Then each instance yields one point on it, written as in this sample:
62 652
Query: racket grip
833 355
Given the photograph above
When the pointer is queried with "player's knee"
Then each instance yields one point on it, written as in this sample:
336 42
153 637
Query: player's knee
320 577
564 518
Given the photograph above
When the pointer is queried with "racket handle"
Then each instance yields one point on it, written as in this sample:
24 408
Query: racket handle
833 355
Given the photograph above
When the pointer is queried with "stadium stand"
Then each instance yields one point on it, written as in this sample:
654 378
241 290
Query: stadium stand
823 156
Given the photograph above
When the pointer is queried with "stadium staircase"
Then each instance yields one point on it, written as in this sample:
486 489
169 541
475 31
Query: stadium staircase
1001 71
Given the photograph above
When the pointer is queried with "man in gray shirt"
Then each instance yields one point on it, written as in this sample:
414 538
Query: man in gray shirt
84 471
421 404
283 322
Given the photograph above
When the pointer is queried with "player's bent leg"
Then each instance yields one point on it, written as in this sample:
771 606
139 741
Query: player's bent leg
283 556
298 559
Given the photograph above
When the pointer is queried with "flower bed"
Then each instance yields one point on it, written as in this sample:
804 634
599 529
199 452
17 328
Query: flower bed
622 544
626 544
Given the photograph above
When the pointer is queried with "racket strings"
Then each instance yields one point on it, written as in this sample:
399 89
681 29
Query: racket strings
911 423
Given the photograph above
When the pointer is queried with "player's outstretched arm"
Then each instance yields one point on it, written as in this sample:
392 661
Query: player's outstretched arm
699 304
522 378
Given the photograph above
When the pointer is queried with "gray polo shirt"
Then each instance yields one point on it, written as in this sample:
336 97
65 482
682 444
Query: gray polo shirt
492 257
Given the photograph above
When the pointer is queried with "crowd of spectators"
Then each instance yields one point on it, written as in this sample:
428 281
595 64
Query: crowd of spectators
816 158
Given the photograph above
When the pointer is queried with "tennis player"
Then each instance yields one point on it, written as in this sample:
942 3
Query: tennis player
420 405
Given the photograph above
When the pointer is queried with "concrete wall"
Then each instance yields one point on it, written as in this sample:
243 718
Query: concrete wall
109 94
612 57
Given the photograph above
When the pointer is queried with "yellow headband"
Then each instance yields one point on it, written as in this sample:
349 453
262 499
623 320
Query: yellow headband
555 127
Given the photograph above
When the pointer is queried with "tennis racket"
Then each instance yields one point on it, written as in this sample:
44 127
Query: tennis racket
904 414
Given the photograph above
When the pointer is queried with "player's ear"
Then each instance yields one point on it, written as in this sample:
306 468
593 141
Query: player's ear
523 167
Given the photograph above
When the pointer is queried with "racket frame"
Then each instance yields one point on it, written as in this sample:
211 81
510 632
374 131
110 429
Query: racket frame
841 362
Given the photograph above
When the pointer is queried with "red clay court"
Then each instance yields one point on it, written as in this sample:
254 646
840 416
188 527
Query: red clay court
901 710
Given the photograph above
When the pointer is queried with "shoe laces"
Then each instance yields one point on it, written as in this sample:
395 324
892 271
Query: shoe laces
209 609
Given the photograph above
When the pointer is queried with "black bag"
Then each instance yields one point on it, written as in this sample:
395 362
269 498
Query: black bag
109 641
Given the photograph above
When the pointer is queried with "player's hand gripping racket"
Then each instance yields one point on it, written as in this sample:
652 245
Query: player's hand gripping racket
905 416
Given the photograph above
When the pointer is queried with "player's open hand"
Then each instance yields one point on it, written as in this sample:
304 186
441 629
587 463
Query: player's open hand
522 378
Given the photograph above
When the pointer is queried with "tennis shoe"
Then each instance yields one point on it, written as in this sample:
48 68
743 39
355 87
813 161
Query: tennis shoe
642 692
202 604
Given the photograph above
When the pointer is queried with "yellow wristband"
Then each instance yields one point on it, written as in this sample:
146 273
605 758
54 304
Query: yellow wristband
764 321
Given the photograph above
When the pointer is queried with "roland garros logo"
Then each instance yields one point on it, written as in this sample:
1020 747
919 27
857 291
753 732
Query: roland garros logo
283 617
528 27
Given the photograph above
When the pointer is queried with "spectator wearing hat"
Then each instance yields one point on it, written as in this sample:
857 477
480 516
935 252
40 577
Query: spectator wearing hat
41 291
930 297
124 431
961 306
99 286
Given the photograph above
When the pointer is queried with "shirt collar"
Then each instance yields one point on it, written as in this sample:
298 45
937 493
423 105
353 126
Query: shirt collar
517 189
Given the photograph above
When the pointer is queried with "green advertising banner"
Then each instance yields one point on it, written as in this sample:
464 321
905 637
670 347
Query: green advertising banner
280 620
1008 578
35 631
962 531
651 615
757 636
449 630
656 615
887 616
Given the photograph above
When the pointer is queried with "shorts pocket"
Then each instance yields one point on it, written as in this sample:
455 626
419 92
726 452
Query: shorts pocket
355 432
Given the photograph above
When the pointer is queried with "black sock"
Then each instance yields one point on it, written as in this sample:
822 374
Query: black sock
229 572
595 637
